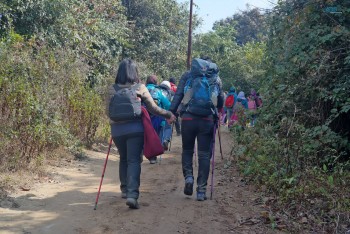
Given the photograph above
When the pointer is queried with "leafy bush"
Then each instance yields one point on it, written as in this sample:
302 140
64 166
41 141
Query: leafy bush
300 147
46 103
57 58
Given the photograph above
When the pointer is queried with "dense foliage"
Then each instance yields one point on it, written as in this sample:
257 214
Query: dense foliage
301 147
57 57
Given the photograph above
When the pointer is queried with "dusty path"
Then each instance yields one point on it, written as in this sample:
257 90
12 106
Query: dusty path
64 203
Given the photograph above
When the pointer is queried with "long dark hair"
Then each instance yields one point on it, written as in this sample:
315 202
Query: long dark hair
127 72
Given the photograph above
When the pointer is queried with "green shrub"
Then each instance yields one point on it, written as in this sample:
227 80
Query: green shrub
46 102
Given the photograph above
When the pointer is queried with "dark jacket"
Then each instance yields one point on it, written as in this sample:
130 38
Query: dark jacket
180 93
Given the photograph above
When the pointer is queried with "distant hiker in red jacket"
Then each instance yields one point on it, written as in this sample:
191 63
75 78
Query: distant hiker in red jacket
173 84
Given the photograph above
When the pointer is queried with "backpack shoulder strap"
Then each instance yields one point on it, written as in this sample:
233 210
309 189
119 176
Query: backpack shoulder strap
188 83
116 87
135 86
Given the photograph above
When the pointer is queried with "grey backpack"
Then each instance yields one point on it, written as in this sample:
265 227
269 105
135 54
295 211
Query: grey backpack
125 105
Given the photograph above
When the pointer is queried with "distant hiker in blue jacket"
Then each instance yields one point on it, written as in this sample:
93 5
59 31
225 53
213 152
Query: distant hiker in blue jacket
166 131
162 101
242 99
241 109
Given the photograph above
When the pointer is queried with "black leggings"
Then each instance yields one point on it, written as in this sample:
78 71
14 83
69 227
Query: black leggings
202 129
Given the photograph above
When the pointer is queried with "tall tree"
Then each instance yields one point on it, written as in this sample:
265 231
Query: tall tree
241 66
250 25
159 35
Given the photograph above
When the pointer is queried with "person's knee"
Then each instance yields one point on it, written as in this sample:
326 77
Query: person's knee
204 155
187 152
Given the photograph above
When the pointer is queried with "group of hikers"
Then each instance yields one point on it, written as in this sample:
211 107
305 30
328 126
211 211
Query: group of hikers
239 110
198 99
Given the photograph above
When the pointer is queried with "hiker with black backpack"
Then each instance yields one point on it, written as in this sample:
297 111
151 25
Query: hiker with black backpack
200 94
258 100
124 111
255 97
162 101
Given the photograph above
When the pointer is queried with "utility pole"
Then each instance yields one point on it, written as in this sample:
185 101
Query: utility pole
189 45
126 4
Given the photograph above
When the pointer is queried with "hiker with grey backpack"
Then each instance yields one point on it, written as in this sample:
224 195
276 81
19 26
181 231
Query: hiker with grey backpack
128 131
200 94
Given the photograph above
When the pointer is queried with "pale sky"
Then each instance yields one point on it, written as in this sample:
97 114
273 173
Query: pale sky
213 10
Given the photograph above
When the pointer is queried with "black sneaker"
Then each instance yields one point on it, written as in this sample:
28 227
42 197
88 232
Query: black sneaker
166 145
132 203
201 196
188 186
153 160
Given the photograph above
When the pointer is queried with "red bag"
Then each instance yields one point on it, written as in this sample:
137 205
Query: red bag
229 101
151 146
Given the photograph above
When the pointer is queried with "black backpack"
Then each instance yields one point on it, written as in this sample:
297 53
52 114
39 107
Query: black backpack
125 105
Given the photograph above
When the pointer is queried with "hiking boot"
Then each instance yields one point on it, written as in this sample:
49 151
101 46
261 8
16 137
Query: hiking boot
201 196
188 186
124 195
132 203
153 160
141 158
166 145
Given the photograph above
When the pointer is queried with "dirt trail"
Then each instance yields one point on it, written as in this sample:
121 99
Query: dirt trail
64 204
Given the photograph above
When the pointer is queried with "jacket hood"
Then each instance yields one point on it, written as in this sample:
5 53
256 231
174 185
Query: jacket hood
253 93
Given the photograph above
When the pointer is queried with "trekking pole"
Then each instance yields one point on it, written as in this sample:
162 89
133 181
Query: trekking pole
213 164
219 133
171 139
103 173
195 154
162 141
